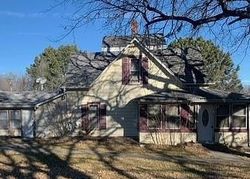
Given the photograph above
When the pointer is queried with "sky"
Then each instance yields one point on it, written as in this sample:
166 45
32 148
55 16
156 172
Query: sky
27 27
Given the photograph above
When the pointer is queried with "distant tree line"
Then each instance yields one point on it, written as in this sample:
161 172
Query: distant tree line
14 82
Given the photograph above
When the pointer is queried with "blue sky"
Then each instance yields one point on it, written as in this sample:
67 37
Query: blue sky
27 28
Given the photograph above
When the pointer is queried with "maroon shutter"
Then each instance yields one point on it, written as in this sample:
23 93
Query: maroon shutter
102 121
84 110
143 118
145 70
185 115
125 70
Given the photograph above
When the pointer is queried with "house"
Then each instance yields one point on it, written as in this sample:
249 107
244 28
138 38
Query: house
138 88
135 87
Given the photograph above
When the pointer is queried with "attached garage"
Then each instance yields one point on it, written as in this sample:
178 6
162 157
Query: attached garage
17 111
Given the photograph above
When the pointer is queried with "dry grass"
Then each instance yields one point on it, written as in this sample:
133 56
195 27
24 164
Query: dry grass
111 158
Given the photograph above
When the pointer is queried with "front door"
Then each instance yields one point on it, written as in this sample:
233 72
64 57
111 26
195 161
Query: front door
206 124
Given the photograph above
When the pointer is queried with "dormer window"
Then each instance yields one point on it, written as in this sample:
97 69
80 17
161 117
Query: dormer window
134 70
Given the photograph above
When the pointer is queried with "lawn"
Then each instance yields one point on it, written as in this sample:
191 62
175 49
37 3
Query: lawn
112 158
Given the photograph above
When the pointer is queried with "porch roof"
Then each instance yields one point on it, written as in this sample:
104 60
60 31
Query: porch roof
196 95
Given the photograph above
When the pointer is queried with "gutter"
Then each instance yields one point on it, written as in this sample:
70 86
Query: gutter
61 94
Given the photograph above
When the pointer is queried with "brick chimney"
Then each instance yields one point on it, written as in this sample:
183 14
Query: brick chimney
134 27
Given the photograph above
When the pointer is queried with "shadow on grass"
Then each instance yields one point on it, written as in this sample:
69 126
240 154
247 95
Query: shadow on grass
37 159
226 149
200 168
30 159
108 161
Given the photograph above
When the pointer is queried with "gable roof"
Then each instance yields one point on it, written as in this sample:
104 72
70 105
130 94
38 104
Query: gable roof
85 67
186 65
26 100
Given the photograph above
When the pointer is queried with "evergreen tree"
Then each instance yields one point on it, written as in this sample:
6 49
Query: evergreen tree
51 64
218 64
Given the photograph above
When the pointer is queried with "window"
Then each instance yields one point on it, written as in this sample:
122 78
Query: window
172 114
15 118
4 120
135 70
222 118
238 116
93 116
154 116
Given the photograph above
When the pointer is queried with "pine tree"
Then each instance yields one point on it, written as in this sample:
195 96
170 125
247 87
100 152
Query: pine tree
51 64
218 64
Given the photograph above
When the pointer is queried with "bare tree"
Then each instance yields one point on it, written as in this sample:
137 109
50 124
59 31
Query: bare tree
13 82
223 18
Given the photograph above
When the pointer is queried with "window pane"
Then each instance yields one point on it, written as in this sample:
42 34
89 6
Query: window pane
3 115
238 121
17 123
135 69
3 124
3 120
222 121
16 114
154 116
223 110
172 110
173 122
239 110
172 115
93 115
135 64
187 116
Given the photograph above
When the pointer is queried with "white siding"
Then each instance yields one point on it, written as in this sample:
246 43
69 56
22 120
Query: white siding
27 123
